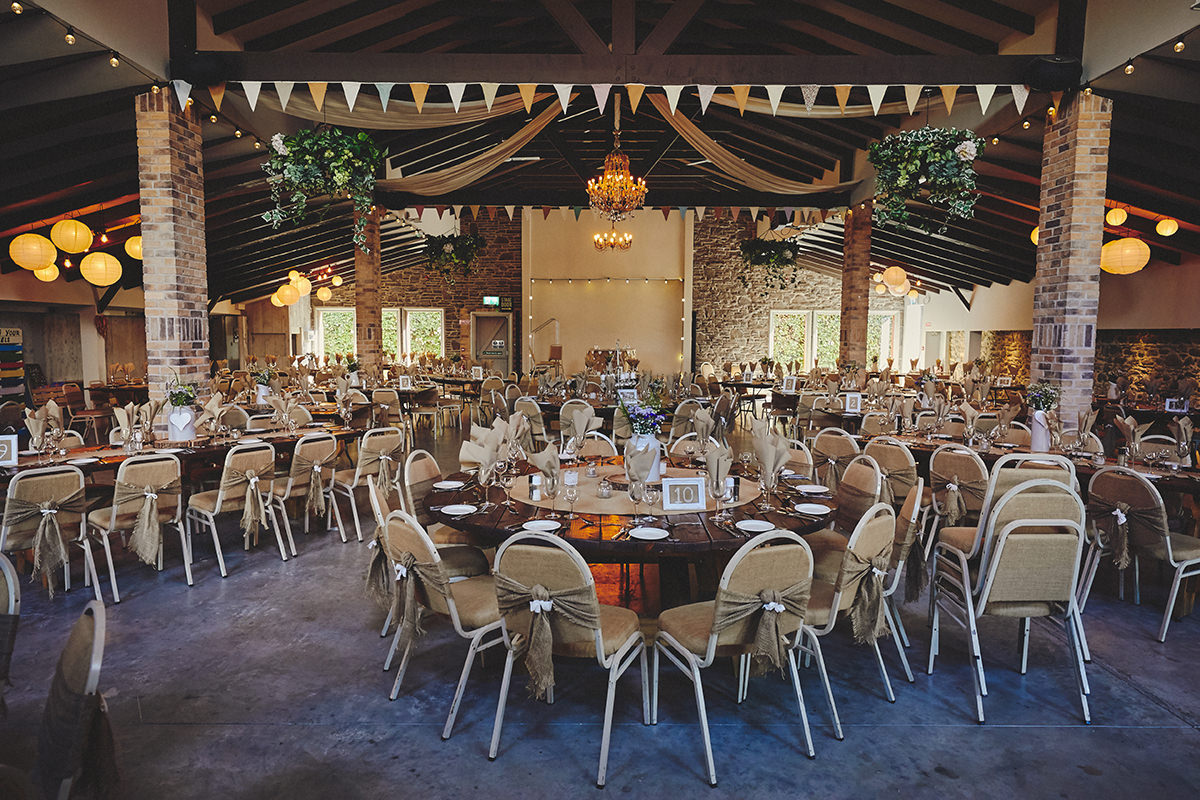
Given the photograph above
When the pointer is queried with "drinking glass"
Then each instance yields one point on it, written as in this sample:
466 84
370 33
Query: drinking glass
636 492
506 481
571 494
550 491
718 493
651 495
689 450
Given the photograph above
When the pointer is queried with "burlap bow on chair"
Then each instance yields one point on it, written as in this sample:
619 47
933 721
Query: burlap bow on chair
576 605
407 572
1122 513
955 504
770 646
144 540
866 613
835 465
385 459
49 551
916 574
905 475
254 511
314 498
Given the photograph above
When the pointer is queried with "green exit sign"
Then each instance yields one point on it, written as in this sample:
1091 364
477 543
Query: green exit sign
491 300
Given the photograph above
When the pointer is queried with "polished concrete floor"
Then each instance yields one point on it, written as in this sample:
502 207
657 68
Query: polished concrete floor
269 684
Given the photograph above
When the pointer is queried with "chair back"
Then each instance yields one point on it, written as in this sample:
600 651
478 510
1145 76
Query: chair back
235 417
387 405
857 492
800 460
258 457
1040 498
906 529
596 443
533 412
1016 468
421 472
954 463
773 560
1018 434
681 420
566 415
490 383
871 538
832 443
73 398
511 393
373 443
149 471
260 422
875 423
538 559
896 462
71 440
10 588
312 448
1157 443
38 486
1147 518
405 535
1087 442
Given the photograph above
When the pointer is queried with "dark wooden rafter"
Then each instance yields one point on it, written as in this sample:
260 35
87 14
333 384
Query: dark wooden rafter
576 27
672 23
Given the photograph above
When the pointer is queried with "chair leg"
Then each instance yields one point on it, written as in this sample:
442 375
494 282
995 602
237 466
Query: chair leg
808 743
287 525
1023 643
354 514
504 682
935 616
212 525
654 687
819 657
89 569
112 571
645 686
187 556
887 683
606 736
698 686
1137 581
1166 620
462 682
401 670
387 623
897 623
1076 655
337 513
977 678
893 620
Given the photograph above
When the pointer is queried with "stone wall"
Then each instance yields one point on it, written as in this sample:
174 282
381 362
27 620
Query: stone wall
1139 355
497 272
733 322
1007 353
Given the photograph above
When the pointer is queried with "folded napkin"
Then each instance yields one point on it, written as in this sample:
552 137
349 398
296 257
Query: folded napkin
1008 413
773 455
580 422
471 454
718 459
703 424
520 432
939 406
1131 430
831 388
861 378
930 389
547 462
1181 428
912 362
126 418
968 385
1086 420
148 412
36 427
969 413
211 411
983 388
640 460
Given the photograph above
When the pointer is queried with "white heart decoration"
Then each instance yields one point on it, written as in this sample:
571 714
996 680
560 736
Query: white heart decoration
179 418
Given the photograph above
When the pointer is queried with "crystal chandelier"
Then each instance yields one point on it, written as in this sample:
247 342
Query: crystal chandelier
615 193
612 240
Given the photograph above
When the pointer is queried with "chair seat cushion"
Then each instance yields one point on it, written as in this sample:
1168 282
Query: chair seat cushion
280 489
616 626
1183 548
959 537
926 496
343 477
1021 610
207 501
444 534
690 625
828 549
102 518
463 561
475 599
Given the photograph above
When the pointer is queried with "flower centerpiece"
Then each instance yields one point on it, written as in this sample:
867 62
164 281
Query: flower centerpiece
1041 397
453 254
262 379
320 161
646 418
928 165
181 421
776 255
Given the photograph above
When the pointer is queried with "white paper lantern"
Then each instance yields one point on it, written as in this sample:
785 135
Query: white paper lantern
1116 216
901 290
275 301
32 251
336 280
71 235
133 246
1124 256
100 269
1033 235
894 276
303 285
288 294
880 289
47 274
1167 227
324 293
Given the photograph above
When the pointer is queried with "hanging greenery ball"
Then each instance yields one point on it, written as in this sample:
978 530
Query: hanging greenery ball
933 166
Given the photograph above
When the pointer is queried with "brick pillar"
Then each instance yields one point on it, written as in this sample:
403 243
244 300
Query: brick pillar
174 261
368 312
856 284
1066 285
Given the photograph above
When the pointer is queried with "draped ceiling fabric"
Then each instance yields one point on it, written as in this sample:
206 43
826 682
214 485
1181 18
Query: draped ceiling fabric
460 175
760 105
401 115
746 174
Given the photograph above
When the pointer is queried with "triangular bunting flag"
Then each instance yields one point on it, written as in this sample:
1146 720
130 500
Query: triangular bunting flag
912 93
666 211
457 210
1020 93
753 212
182 90
527 90
699 213
577 210
474 212
491 210
456 94
317 90
740 95
252 88
771 215
546 212
718 212
217 90
876 91
843 94
809 90
735 212
635 94
601 91
984 92
774 95
419 90
948 94
565 212
489 93
672 93
564 94
350 89
1056 98
385 93
284 90
420 210
788 213
705 93
510 210
441 210
682 211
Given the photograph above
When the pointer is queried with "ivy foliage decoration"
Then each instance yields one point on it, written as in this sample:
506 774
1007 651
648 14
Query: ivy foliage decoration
928 165
454 254
318 162
777 257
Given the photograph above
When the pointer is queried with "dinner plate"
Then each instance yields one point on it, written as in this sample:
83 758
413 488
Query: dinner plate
545 525
446 486
251 440
648 534
1005 445
169 450
27 453
459 510
83 461
812 508
754 525
1150 475
315 425
942 436
812 488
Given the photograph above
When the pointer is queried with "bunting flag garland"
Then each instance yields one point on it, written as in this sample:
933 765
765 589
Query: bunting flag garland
489 93
912 93
666 211
491 210
672 93
735 212
774 95
705 94
809 90
577 210
741 94
635 94
717 213
565 212
564 94
456 210
385 93
699 213
1020 94
682 211
420 211
546 212
948 94
843 94
350 89
456 93
753 212
876 92
419 90
474 212
984 92
317 90
441 210
527 90
509 210
252 88
182 90
217 91
601 91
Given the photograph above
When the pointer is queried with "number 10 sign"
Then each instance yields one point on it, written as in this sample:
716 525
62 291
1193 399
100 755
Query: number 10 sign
683 494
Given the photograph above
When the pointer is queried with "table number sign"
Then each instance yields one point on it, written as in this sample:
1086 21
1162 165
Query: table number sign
1004 380
476 373
853 403
628 396
404 382
789 384
8 451
1176 405
683 494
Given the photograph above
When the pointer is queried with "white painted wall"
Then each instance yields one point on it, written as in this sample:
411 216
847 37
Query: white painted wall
1117 30
995 308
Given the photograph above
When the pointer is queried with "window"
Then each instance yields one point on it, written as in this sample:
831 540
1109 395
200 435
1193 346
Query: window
391 333
827 327
336 330
789 331
405 330
805 335
424 331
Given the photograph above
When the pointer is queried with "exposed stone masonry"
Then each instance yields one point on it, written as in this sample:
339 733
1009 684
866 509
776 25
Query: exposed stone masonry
1007 353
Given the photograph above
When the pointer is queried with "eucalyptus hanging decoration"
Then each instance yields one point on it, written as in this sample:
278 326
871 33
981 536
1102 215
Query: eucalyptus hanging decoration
935 166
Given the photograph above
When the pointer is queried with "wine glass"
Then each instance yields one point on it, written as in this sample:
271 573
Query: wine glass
507 479
549 492
689 450
571 494
717 492
651 495
637 490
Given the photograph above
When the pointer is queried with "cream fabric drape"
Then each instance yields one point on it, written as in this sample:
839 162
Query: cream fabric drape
742 172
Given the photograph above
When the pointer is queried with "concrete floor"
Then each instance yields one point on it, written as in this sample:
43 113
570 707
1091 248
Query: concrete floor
269 684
